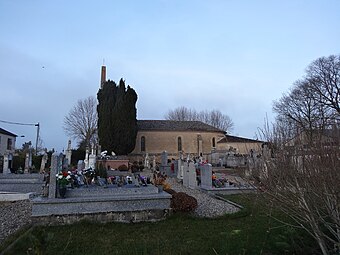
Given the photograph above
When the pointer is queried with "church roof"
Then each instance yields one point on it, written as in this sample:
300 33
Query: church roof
173 125
5 132
237 139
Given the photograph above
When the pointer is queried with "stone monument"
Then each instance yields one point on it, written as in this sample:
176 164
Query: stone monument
69 152
52 189
92 159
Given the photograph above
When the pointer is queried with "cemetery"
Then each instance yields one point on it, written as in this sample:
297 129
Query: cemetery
107 184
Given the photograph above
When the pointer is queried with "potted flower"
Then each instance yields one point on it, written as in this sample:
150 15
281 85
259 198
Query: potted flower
62 180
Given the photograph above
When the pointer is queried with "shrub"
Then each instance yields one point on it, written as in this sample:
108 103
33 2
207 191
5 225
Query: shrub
122 168
182 202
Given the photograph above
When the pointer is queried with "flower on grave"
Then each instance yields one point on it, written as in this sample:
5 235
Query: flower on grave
63 179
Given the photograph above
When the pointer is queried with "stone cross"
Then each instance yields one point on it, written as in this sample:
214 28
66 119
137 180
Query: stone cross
53 179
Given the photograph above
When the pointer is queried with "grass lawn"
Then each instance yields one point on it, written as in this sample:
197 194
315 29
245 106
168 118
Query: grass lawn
250 231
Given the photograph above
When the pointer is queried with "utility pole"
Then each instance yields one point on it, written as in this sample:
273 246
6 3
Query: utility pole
36 141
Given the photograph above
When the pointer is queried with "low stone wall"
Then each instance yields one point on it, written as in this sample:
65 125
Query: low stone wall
22 183
126 217
113 163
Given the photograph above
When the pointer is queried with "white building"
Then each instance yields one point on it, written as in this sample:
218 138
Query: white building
7 147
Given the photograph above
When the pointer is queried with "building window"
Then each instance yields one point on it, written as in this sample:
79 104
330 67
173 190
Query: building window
142 143
9 144
213 142
179 143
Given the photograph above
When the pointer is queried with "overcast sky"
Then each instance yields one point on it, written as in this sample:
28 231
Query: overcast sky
235 56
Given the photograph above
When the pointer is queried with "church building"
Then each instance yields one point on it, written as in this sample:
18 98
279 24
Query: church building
176 137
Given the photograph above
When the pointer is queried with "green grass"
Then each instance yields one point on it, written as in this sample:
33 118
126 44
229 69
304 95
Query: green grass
250 231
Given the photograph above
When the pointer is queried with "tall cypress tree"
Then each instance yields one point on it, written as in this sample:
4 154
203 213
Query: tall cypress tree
117 117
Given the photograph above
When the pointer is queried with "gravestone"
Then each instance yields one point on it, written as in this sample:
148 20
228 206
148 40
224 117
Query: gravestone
192 180
43 162
86 160
164 159
206 176
60 163
6 170
147 161
185 175
80 165
180 169
154 163
27 162
53 179
189 175
69 152
92 161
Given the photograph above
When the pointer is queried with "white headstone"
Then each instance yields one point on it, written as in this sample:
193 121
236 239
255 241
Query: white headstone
180 169
164 158
147 161
192 180
86 160
92 161
5 166
69 152
185 175
154 163
27 162
206 176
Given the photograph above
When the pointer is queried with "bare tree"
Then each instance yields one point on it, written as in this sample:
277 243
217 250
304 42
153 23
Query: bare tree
301 175
303 181
300 108
323 76
81 122
214 118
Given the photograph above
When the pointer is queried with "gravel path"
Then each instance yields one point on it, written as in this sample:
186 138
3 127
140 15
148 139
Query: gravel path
208 206
13 216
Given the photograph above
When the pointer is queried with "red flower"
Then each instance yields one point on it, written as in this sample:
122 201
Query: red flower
65 174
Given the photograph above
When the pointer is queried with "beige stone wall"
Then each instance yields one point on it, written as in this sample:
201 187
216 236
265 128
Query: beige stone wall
242 148
158 141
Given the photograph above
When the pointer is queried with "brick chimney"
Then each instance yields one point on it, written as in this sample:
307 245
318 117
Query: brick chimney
103 76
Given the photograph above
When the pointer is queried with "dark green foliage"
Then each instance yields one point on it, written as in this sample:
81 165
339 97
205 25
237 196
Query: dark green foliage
78 154
123 168
182 202
101 171
18 161
117 122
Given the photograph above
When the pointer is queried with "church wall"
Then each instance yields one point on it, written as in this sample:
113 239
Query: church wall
242 148
158 141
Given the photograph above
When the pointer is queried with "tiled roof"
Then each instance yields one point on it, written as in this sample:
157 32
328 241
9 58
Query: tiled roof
172 125
237 139
5 132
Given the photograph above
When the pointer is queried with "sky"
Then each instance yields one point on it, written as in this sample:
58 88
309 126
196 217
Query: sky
236 56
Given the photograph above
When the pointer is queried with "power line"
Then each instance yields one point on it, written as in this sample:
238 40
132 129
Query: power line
18 123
